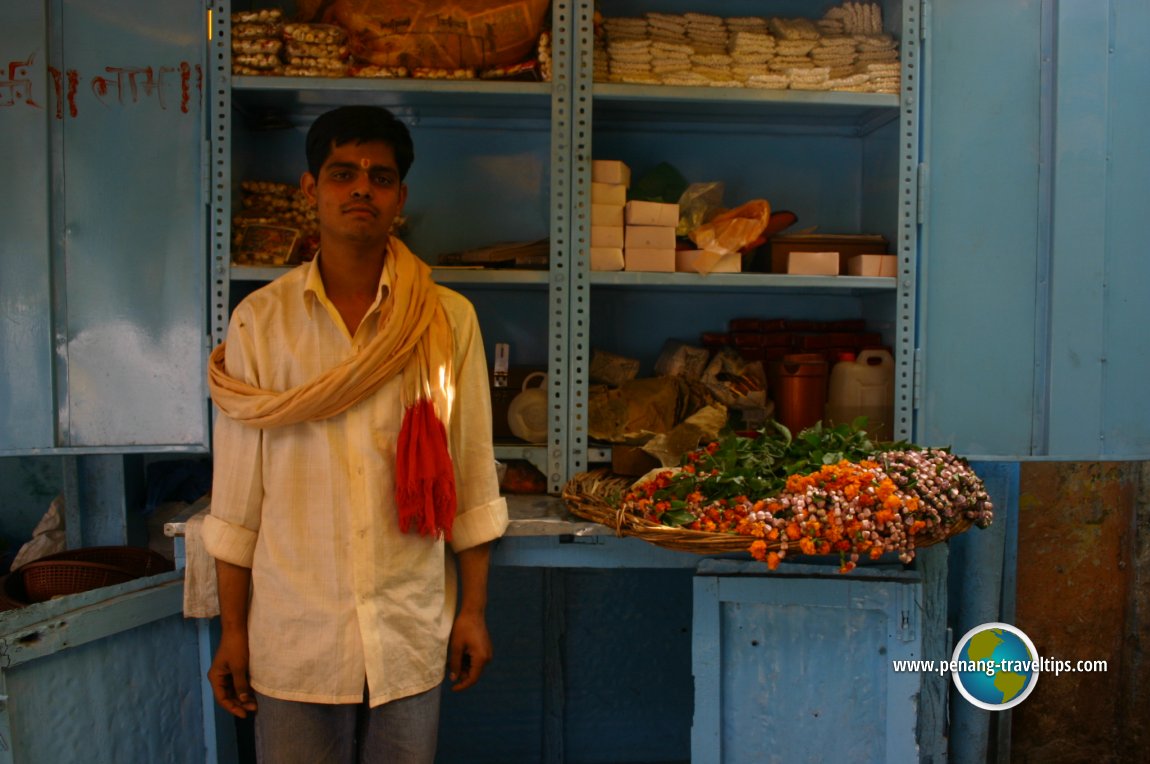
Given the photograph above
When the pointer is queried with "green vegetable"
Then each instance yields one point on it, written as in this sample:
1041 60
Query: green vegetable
737 465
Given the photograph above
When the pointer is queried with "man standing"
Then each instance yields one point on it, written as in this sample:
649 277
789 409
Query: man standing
352 449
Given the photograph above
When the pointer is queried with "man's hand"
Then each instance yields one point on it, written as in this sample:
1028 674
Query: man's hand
228 676
469 650
229 672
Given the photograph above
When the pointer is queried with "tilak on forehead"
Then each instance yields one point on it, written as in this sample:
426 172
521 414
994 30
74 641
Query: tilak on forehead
365 163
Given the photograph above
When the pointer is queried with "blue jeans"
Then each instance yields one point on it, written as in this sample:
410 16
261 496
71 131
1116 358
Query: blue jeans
403 731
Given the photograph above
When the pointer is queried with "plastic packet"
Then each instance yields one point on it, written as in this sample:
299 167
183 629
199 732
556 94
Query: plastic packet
698 204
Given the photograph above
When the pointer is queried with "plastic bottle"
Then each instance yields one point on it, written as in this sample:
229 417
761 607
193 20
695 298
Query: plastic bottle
863 386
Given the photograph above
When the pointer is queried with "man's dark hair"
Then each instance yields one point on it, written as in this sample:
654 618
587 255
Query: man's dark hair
358 124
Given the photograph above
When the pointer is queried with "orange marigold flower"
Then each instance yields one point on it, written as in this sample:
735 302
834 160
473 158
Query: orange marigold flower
793 531
773 560
759 550
773 534
807 545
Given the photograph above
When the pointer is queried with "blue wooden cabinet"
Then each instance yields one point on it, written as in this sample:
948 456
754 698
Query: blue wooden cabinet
799 666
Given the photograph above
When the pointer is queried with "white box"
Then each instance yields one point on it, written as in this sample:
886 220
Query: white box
652 213
607 236
660 260
813 263
606 258
608 193
873 265
610 171
649 237
606 214
702 261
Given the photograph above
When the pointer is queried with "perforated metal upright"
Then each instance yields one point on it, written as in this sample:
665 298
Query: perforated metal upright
578 130
570 237
220 180
908 222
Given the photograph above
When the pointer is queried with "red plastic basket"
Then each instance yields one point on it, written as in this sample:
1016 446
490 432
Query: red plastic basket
136 560
45 579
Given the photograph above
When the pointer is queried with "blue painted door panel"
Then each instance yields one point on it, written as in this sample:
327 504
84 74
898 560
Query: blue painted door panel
979 244
133 249
102 281
25 286
1033 270
1099 361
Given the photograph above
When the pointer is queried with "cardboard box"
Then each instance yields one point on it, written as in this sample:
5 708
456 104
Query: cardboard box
813 263
652 213
846 245
610 171
649 237
657 260
606 214
606 235
608 193
873 265
606 258
702 261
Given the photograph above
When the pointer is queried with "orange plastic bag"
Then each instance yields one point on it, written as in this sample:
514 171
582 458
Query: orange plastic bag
734 230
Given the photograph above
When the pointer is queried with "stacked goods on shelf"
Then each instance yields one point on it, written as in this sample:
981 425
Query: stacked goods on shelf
609 182
845 50
315 50
649 236
769 339
257 42
800 358
275 225
365 38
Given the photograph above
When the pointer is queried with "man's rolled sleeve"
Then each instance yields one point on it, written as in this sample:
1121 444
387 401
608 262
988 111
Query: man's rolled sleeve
231 529
479 525
228 542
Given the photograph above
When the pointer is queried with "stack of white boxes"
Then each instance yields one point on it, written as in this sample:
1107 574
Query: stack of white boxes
609 182
633 236
649 236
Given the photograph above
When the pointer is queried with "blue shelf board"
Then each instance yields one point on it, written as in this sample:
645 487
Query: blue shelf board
465 276
305 97
855 112
757 282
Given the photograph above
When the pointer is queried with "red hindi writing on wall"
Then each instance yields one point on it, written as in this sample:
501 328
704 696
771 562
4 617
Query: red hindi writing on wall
168 86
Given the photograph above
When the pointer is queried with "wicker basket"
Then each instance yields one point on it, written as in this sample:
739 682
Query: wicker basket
44 579
596 496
